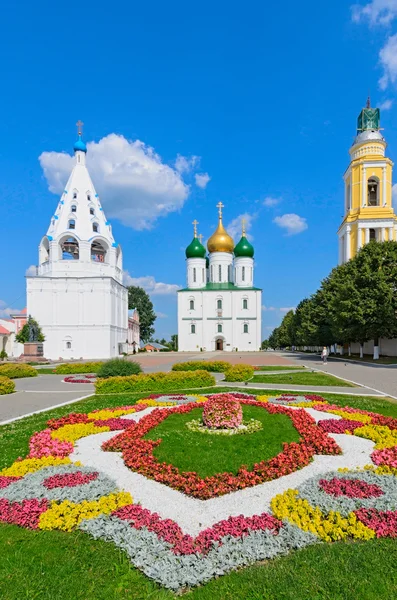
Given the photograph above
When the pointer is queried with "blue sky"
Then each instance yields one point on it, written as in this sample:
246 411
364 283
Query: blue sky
186 104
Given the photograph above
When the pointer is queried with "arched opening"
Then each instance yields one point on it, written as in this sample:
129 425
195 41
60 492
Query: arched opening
373 191
220 273
119 258
191 304
98 251
95 227
219 344
245 328
194 274
219 327
192 328
245 303
72 224
92 211
219 304
44 252
243 274
69 248
74 208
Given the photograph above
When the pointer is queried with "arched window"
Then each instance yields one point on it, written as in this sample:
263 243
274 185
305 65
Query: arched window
220 272
191 303
98 252
348 191
68 345
202 276
373 192
372 235
219 304
245 303
74 195
69 249
92 211
72 224
219 327
74 208
194 274
192 328
89 197
245 328
212 272
243 273
95 227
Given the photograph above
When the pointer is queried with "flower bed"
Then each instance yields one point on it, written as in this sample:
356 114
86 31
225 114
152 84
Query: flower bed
138 454
222 412
74 379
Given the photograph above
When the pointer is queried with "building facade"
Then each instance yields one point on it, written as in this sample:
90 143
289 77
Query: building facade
134 328
368 208
220 309
77 295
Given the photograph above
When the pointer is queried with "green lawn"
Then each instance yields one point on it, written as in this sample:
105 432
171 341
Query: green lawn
63 566
310 378
210 454
277 368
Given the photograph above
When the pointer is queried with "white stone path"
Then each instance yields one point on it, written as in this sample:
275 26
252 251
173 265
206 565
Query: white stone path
194 515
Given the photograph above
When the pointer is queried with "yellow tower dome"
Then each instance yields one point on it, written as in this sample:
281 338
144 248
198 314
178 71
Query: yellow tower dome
220 240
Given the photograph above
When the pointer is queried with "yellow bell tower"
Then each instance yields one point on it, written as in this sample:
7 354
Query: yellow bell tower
368 213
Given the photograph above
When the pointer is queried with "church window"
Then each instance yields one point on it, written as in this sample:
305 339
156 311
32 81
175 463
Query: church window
372 235
88 197
243 273
373 192
219 304
68 345
212 273
191 304
220 272
74 208
194 274
92 212
74 195
192 328
72 224
219 327
202 275
348 192
245 303
98 252
95 227
70 249
245 328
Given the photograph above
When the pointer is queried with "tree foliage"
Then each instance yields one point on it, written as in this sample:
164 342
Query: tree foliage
23 336
139 299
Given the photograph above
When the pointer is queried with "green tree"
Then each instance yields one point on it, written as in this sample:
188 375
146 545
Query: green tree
23 336
174 342
265 345
139 299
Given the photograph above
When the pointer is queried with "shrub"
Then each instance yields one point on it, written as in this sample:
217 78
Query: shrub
6 386
239 373
154 382
14 370
215 366
70 368
118 367
3 354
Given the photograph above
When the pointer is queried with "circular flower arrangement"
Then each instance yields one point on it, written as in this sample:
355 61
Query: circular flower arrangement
47 491
223 415
80 379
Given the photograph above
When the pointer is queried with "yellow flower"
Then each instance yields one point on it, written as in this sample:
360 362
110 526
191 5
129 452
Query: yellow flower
380 434
71 433
30 465
109 413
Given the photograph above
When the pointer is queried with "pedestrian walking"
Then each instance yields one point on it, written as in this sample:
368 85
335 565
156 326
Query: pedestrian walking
324 355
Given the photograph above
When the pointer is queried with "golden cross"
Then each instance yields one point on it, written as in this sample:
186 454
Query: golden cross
79 126
243 222
219 206
200 237
195 223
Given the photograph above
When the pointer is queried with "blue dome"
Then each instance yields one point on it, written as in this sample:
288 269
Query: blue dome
80 145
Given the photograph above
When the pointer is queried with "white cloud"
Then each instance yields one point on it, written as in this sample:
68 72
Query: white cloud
161 315
31 271
386 105
292 223
235 227
6 311
377 12
266 308
388 60
274 308
135 185
184 164
269 201
287 309
202 179
150 285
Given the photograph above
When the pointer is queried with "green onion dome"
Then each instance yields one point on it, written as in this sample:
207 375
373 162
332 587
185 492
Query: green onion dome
244 248
195 249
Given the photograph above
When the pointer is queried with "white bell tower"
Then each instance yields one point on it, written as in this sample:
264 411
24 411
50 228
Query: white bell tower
77 295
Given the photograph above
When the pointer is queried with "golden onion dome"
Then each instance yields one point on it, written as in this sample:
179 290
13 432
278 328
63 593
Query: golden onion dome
220 240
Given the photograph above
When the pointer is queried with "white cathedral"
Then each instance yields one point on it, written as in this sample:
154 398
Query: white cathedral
220 309
77 295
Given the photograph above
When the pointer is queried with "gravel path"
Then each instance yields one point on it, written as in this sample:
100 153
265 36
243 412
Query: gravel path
193 515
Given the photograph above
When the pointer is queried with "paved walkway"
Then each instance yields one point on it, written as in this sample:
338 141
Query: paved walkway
38 393
378 377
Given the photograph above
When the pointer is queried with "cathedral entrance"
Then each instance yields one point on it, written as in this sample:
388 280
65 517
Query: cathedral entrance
219 344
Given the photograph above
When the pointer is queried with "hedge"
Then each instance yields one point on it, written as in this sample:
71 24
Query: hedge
119 367
14 370
239 373
155 382
6 386
71 368
216 366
